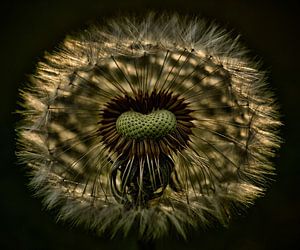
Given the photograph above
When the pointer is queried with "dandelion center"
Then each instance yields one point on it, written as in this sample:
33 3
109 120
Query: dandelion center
155 125
146 124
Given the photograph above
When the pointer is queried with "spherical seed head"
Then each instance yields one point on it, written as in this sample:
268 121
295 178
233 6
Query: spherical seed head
138 126
212 126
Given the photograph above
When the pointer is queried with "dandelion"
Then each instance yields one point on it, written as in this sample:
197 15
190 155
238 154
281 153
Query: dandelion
150 125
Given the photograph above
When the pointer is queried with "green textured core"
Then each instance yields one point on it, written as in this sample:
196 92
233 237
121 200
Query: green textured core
138 126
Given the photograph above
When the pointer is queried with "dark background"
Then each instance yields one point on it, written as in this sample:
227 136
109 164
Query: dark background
270 29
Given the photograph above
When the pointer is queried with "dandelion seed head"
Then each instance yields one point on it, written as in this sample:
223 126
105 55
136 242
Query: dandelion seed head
155 124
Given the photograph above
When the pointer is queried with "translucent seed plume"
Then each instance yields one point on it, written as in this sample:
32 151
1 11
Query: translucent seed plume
151 125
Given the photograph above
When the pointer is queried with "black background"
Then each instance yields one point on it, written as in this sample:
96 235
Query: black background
270 29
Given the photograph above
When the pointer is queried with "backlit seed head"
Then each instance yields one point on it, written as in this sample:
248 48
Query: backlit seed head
154 124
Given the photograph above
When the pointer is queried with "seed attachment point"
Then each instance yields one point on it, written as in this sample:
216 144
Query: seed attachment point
154 125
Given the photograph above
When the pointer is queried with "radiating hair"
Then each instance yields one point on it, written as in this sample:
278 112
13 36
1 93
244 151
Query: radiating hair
154 124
